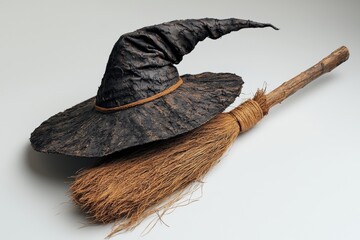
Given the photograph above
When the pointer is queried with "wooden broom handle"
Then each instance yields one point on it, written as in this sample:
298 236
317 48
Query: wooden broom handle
326 65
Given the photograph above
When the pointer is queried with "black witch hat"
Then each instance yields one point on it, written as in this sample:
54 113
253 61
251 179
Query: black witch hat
142 98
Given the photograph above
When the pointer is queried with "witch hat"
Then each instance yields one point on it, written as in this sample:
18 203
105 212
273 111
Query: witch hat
142 98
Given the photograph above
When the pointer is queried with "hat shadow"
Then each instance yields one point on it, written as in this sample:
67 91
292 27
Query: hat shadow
57 170
56 167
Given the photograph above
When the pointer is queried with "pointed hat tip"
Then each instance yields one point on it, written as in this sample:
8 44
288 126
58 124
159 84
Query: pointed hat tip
263 25
260 25
272 26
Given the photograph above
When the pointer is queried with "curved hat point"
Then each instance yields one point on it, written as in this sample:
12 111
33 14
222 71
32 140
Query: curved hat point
261 25
141 65
183 35
141 62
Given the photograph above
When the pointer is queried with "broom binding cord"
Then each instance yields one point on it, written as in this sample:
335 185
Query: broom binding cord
252 111
249 113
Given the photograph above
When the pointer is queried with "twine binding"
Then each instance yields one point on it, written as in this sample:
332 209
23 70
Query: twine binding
250 112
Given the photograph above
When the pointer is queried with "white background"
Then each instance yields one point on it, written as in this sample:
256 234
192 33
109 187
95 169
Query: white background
294 176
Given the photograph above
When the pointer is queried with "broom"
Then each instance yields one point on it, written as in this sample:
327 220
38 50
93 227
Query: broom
153 178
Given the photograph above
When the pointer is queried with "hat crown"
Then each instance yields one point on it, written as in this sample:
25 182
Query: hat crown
141 69
141 62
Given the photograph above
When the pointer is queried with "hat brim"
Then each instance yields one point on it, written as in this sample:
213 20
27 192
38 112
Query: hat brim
83 131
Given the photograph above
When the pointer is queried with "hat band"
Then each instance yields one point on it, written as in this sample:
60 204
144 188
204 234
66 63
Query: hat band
141 101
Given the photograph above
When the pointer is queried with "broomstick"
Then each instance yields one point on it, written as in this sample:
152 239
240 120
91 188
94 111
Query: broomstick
134 186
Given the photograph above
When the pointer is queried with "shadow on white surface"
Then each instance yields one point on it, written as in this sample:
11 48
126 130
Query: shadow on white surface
58 170
54 166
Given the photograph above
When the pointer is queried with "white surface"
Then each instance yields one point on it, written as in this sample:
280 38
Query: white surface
294 176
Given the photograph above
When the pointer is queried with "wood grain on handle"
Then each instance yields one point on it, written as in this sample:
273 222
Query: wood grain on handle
326 65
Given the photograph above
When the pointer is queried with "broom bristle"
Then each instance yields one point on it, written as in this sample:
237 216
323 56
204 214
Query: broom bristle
133 187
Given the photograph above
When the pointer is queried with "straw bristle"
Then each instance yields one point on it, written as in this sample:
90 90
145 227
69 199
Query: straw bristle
133 187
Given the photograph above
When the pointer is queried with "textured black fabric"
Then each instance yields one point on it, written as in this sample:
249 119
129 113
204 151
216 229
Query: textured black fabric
141 62
141 65
83 131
